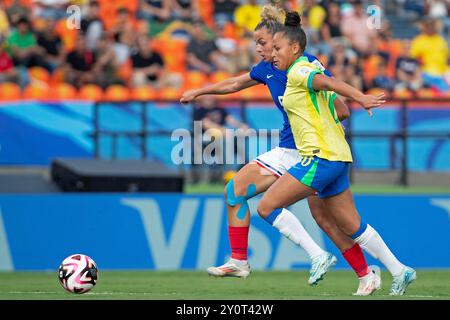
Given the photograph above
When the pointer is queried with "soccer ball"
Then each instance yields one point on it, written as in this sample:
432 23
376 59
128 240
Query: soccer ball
78 273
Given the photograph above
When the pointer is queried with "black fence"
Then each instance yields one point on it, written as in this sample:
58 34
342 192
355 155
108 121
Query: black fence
403 134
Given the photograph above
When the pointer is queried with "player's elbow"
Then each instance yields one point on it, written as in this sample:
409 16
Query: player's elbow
343 113
342 110
233 86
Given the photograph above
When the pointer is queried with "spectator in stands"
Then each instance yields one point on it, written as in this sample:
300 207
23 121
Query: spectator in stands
16 11
431 49
343 63
8 73
50 9
315 14
124 30
23 46
185 10
148 66
331 27
4 22
224 11
412 8
215 120
437 8
354 27
440 9
80 64
352 75
408 71
202 53
382 79
91 25
247 17
107 66
52 46
154 10
341 55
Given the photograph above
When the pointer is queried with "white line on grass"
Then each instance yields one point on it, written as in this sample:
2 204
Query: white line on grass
89 293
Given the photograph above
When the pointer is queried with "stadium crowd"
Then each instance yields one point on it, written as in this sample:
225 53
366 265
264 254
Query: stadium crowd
123 46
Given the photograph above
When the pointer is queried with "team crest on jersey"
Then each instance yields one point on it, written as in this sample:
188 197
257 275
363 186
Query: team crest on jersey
304 71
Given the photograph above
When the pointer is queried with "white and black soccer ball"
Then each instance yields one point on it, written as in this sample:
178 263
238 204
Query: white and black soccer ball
78 273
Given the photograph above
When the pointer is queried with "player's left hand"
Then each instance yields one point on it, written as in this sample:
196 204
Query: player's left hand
370 101
188 96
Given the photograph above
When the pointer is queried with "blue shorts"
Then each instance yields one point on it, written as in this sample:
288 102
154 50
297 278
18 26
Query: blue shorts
328 178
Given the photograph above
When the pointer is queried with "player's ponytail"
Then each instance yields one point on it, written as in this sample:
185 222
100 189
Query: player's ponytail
293 20
271 19
293 29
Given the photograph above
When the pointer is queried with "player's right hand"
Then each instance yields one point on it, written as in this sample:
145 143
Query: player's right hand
188 96
370 101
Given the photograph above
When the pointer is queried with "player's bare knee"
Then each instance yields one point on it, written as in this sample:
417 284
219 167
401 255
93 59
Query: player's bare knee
264 209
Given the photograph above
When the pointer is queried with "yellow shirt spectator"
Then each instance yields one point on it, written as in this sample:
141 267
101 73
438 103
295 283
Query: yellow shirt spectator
432 52
4 24
316 16
247 17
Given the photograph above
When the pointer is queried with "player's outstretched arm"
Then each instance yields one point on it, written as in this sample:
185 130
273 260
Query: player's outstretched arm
367 101
227 86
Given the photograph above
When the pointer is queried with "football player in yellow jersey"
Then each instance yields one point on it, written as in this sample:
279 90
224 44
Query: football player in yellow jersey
326 156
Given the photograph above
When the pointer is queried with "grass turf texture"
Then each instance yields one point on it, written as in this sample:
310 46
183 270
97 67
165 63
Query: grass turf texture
275 285
203 188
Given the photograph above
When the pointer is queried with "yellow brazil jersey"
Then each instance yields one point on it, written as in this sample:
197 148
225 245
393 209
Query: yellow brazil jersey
315 126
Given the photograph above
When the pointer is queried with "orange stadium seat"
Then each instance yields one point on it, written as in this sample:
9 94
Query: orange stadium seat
26 3
262 92
403 94
145 93
63 91
230 31
174 62
117 93
36 92
10 91
126 71
168 46
170 94
90 92
375 91
206 8
426 93
195 79
57 76
251 93
219 76
39 73
68 36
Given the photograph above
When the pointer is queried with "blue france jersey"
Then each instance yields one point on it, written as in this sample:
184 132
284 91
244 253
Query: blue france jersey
275 79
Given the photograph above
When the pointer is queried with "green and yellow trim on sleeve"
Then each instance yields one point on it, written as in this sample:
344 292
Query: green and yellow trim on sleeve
311 78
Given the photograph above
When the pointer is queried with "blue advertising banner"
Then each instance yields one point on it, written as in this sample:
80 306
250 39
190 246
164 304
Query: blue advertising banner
175 231
34 133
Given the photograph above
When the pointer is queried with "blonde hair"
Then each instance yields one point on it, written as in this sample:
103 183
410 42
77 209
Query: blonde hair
272 13
271 18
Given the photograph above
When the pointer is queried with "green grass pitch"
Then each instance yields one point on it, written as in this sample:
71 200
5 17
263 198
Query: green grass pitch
190 285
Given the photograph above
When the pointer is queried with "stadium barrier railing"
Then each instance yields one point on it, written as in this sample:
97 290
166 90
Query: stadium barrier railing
403 134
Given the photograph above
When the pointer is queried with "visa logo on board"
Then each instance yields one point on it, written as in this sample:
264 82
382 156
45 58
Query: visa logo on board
168 250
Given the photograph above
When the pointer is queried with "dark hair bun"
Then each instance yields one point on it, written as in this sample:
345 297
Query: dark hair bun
293 19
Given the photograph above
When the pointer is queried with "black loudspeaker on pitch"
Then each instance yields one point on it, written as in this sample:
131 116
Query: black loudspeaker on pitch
92 175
